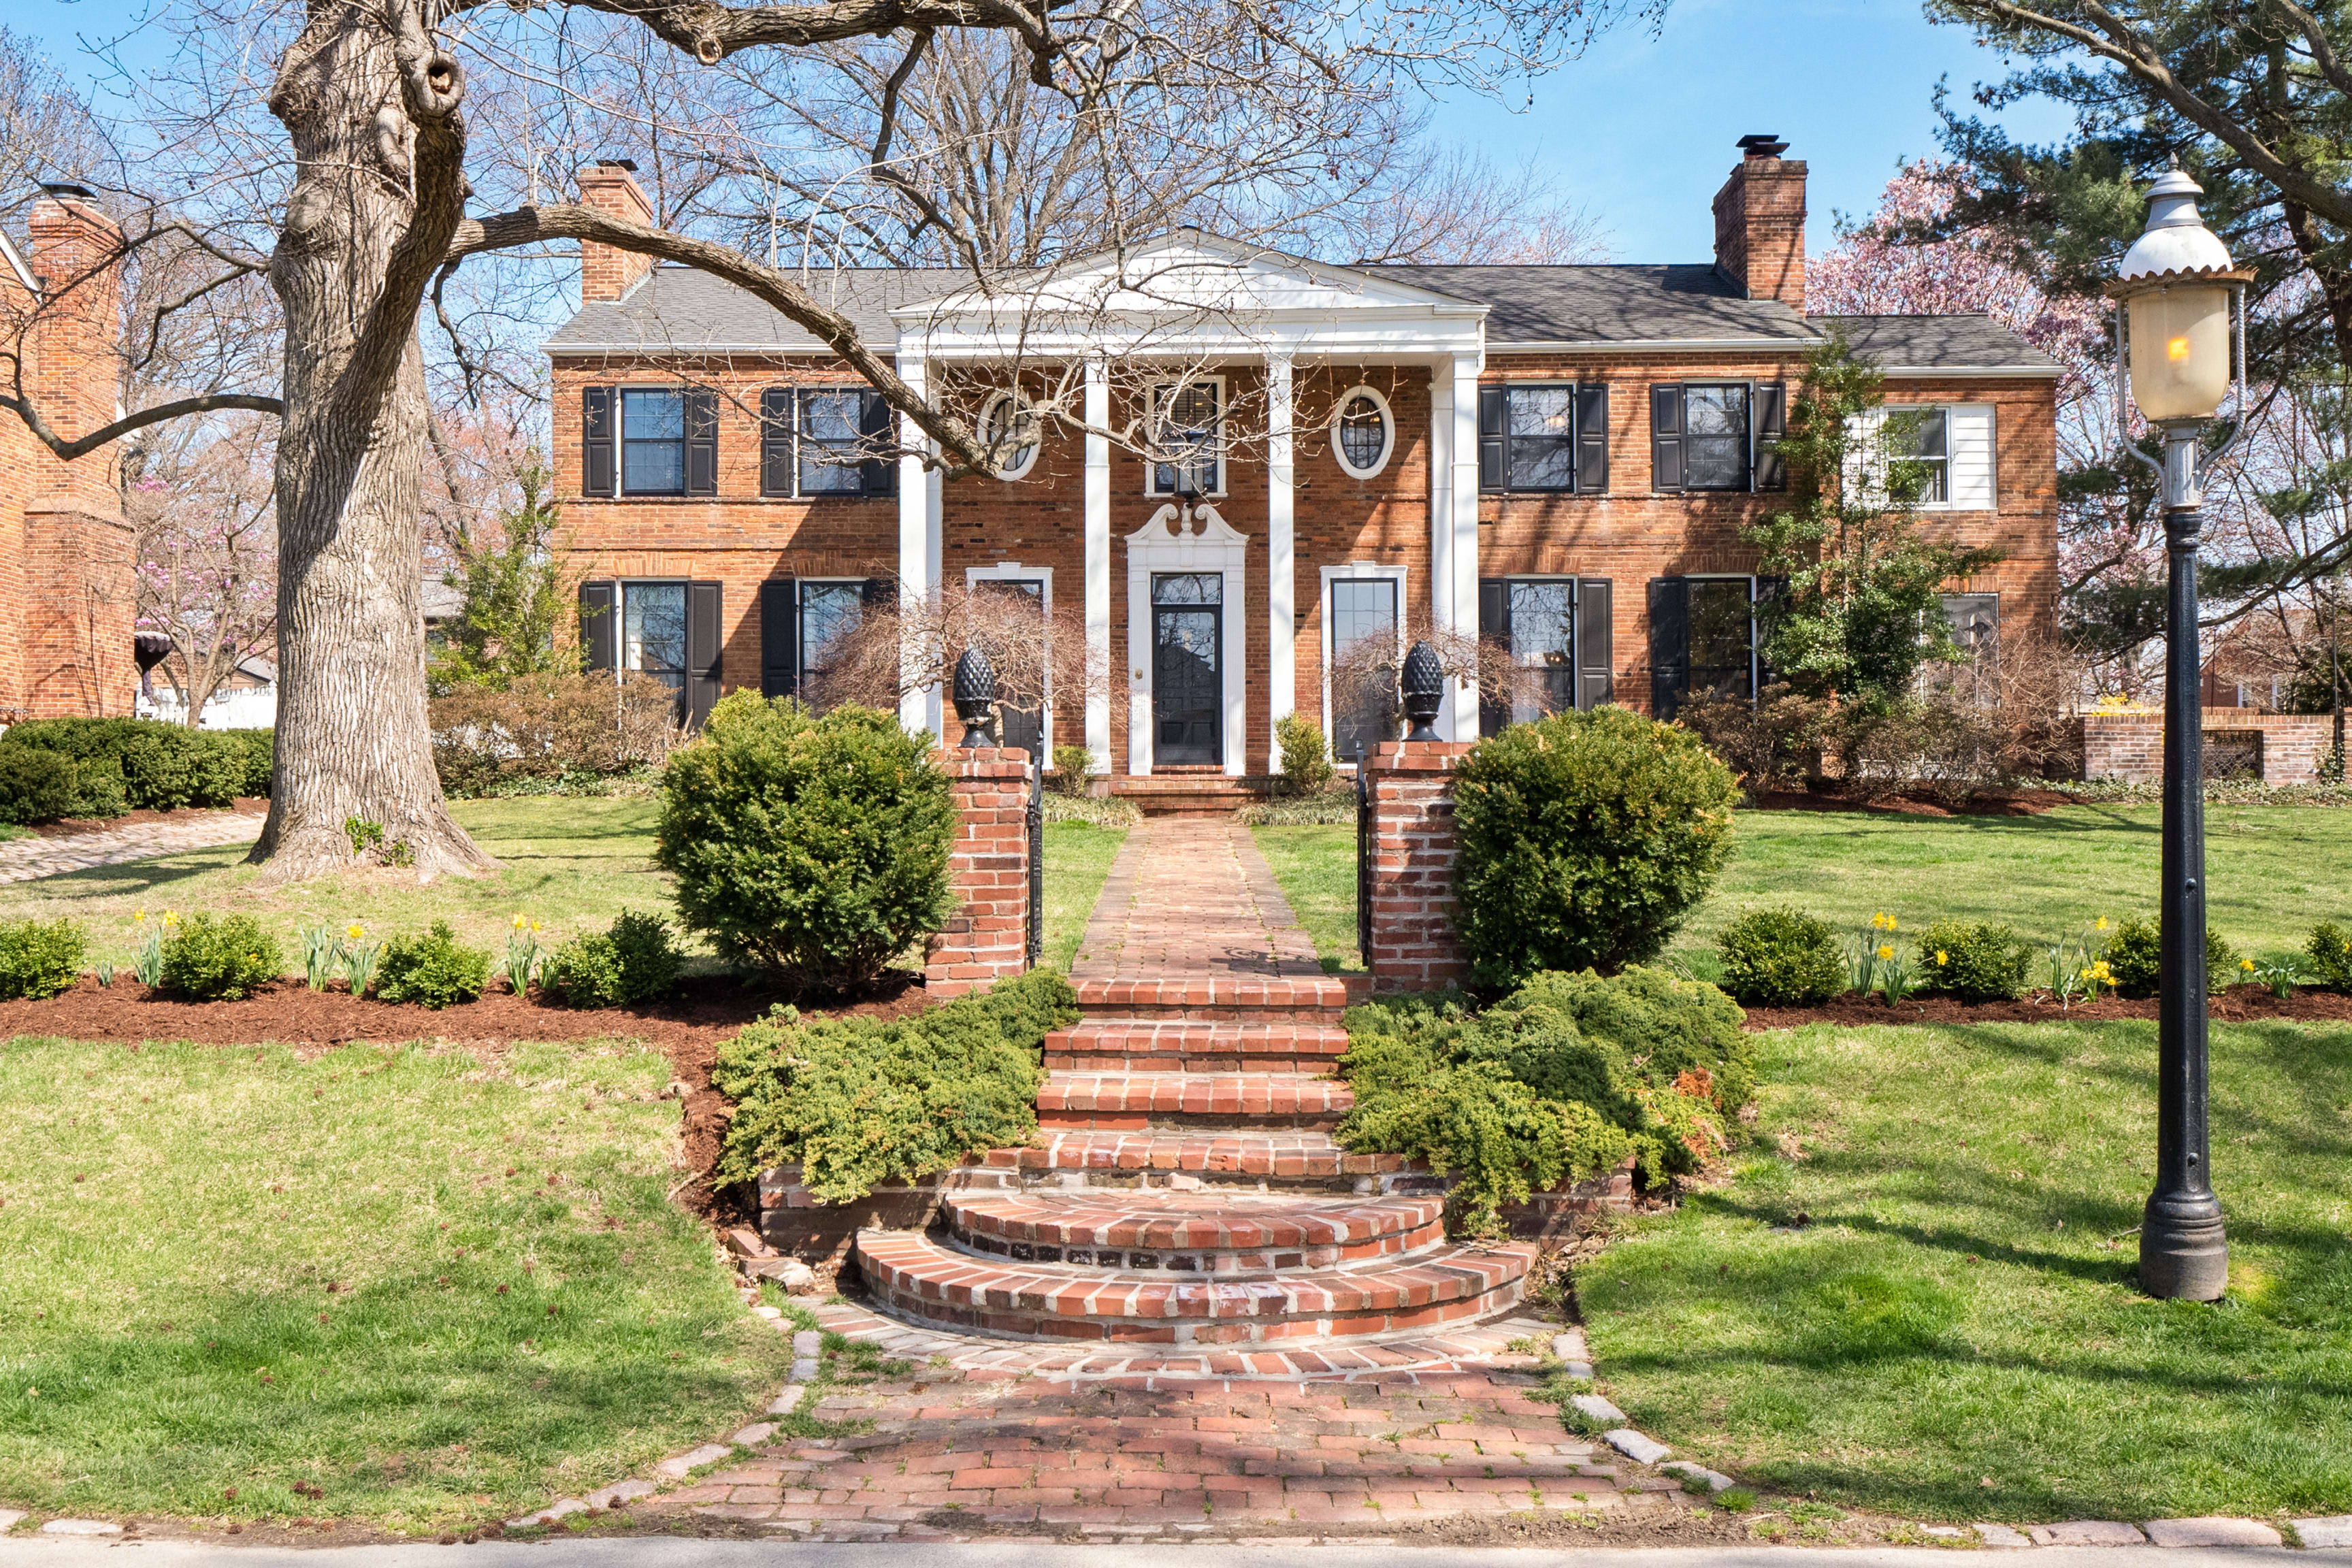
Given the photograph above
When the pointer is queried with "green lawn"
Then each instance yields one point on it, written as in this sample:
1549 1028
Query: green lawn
1078 862
1955 1332
439 1288
2270 872
1316 867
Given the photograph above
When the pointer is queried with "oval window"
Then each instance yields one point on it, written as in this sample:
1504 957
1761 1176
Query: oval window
1008 423
1362 433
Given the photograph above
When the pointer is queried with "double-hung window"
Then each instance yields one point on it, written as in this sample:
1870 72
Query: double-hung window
843 435
1544 438
1363 653
663 627
1921 442
1188 439
1706 638
1937 458
1551 638
653 443
649 441
1716 435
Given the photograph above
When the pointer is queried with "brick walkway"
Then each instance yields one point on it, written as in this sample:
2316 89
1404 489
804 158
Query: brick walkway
1192 897
24 860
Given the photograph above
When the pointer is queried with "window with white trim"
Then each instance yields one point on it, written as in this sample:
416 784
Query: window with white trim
1363 644
1188 439
1363 433
1005 418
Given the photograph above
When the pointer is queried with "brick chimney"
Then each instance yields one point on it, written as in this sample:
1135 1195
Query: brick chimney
610 186
1760 224
69 359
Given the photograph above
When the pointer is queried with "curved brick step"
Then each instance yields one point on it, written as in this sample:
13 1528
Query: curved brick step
1171 1045
1133 1100
914 1276
1253 998
1151 1158
1224 1235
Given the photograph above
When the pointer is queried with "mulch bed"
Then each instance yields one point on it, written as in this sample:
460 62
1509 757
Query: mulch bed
2238 1004
1831 796
74 826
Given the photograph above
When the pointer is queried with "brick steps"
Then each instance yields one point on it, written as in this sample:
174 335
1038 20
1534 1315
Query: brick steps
1136 1100
1222 1235
1211 1155
1248 999
1198 1046
1190 792
918 1278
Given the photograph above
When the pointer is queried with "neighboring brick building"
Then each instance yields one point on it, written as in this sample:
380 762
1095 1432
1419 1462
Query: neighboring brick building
1558 458
67 562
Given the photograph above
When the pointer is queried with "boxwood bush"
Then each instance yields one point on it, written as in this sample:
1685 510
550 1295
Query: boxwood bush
812 847
2330 951
1584 841
858 1101
1782 957
38 960
2134 956
214 959
432 969
145 765
635 961
1560 1080
1979 960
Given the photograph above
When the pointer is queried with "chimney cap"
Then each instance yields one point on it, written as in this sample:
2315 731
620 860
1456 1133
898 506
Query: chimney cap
1762 144
62 188
627 165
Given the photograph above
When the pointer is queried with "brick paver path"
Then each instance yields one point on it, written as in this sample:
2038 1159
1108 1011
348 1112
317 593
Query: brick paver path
1191 895
23 859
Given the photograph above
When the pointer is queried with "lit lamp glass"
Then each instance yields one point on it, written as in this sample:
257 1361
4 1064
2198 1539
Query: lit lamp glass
2180 349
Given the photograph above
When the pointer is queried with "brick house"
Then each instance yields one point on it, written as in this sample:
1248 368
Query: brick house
68 586
1557 458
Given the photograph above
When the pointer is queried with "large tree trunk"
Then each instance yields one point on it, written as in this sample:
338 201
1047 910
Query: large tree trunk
371 115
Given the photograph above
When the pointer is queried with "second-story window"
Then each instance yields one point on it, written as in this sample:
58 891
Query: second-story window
649 441
1187 438
653 443
845 442
1544 438
1716 436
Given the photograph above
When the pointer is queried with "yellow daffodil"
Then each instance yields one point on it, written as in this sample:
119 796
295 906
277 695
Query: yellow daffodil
2099 924
170 919
140 919
1942 957
2100 972
355 931
534 928
1886 953
2247 965
520 922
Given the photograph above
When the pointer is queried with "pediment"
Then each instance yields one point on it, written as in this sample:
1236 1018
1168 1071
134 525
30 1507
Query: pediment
1168 526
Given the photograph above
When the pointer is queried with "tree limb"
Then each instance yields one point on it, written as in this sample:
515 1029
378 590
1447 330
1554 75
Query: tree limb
531 226
83 445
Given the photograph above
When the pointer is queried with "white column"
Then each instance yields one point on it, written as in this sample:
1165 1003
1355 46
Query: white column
1281 591
1441 511
1098 523
1460 720
918 707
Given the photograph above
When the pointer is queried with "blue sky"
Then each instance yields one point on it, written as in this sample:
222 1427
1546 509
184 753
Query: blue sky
1641 130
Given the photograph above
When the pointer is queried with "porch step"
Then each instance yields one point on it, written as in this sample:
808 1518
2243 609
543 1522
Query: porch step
1132 1100
1190 792
1151 1158
1225 1235
1244 999
919 1277
1179 1046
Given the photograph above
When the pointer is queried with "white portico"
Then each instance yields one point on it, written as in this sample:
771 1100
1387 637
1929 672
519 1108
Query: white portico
1196 307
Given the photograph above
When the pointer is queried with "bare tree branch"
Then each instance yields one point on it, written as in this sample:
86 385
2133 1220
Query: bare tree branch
83 445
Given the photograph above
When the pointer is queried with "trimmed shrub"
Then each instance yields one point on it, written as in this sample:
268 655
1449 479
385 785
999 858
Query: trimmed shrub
35 786
858 1101
37 960
211 959
1560 1080
814 848
2134 956
1585 840
259 752
1305 759
1977 962
431 969
543 731
1069 775
161 767
1782 957
2330 951
635 961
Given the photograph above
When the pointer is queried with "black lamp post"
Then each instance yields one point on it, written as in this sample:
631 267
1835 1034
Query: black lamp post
2175 288
975 694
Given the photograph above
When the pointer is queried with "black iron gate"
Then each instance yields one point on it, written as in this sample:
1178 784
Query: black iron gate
1365 844
1036 949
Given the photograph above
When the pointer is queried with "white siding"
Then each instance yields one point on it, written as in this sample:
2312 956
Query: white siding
1970 433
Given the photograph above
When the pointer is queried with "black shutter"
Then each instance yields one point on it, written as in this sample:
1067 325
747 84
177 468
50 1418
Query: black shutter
1591 441
779 636
881 592
704 636
701 441
596 441
1666 435
1771 424
597 641
776 441
1492 473
1596 663
1669 644
1493 642
877 476
1772 594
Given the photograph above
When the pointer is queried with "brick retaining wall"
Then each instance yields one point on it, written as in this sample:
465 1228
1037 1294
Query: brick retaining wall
2131 746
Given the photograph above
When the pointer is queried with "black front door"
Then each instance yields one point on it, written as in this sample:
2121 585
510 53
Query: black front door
1187 688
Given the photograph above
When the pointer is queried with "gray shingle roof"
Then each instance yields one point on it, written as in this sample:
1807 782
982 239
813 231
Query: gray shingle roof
679 309
1949 343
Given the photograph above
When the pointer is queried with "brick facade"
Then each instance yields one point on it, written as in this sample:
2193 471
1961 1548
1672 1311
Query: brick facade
2131 746
1415 945
987 938
68 586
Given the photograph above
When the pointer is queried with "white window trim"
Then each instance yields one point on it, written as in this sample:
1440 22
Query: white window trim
620 491
988 412
1225 458
1873 421
621 586
1354 571
1387 425
1013 572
